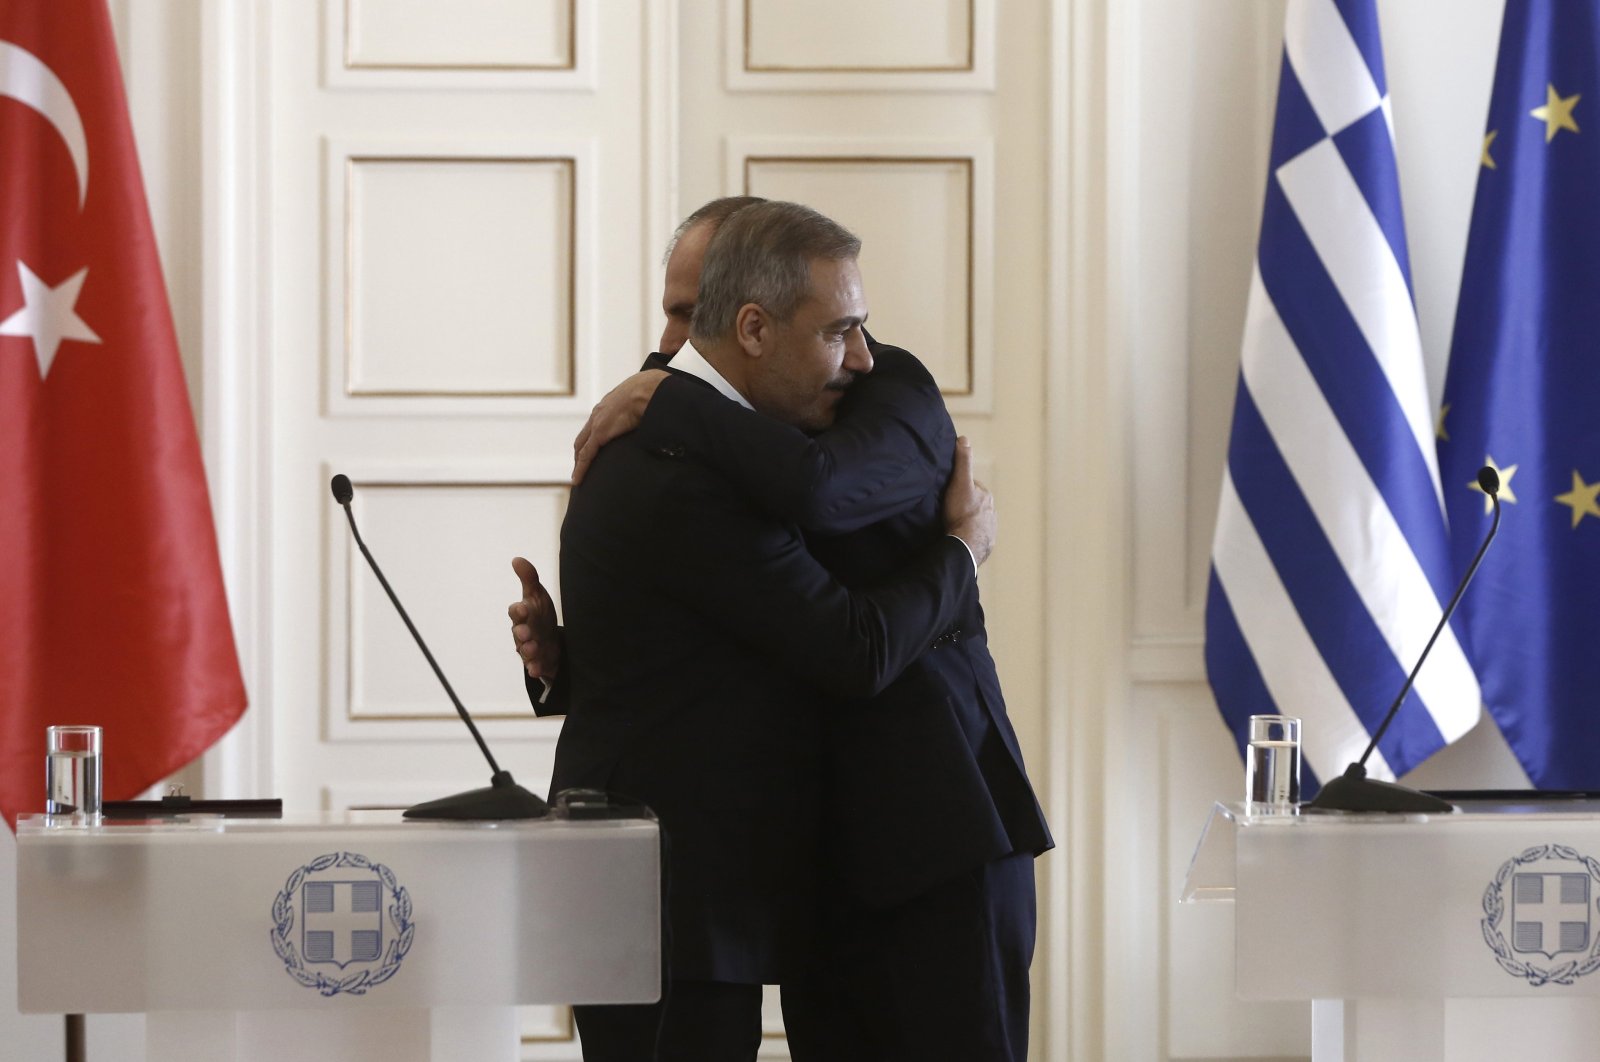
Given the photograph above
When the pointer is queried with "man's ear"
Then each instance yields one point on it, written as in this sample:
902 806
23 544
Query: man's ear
752 327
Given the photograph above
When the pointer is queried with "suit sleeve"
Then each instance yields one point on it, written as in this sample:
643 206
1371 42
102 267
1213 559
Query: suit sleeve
890 448
559 698
753 578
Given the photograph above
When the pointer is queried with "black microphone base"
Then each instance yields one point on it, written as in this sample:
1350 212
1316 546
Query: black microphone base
501 800
1354 791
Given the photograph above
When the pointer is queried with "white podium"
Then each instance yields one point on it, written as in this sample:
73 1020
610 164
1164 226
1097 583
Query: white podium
355 936
1463 937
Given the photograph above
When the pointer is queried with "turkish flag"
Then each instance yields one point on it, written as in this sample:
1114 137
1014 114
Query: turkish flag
112 610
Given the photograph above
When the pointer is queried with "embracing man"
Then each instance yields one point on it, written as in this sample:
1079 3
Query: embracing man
918 872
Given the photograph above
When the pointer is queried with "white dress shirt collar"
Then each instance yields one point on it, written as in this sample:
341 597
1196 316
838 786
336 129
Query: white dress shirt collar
691 361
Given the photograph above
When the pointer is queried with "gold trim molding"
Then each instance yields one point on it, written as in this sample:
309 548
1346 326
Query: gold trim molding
351 571
888 71
569 64
570 164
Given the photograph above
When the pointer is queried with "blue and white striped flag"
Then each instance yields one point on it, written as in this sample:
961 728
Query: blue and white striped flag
1331 565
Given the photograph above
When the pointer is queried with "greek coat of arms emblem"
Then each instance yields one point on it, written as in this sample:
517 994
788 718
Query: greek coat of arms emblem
1538 915
342 923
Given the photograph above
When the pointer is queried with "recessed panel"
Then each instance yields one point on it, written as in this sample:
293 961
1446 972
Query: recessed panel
459 276
459 34
446 550
858 35
914 217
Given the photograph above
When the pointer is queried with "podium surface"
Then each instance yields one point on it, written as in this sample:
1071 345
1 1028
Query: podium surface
1396 926
336 915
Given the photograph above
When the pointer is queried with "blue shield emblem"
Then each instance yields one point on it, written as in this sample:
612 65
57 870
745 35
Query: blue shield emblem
346 914
1549 913
342 921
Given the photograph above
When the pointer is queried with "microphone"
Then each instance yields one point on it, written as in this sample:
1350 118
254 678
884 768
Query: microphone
1353 790
503 798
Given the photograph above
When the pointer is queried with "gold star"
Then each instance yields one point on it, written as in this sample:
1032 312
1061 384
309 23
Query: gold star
1556 114
1581 498
1506 494
1438 425
1488 159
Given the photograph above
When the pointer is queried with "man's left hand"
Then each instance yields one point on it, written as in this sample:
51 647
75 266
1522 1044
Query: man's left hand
533 624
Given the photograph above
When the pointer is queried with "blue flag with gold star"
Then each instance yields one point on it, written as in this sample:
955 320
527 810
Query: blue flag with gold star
1523 394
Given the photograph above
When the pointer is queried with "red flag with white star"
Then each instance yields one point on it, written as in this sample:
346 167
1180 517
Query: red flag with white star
111 602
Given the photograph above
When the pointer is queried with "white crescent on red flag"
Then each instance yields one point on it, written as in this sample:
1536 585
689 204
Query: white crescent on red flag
112 609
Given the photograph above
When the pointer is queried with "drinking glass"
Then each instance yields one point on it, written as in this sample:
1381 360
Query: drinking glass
72 775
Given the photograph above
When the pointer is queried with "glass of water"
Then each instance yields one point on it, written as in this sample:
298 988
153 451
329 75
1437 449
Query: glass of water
1272 765
72 776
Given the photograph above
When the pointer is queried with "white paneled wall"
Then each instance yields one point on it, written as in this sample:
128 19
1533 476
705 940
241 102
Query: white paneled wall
845 36
883 45
457 273
413 242
447 540
465 35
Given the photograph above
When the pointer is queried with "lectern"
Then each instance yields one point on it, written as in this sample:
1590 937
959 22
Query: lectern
1458 937
352 936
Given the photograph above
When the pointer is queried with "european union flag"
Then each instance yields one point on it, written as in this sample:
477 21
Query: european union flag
1331 561
1523 394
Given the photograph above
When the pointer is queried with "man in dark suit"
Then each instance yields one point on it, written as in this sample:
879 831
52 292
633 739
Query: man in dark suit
703 642
931 826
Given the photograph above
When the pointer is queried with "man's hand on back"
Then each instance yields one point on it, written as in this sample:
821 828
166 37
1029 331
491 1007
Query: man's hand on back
968 505
618 413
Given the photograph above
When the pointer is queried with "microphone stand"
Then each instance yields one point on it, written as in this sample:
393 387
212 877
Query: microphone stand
503 798
1353 790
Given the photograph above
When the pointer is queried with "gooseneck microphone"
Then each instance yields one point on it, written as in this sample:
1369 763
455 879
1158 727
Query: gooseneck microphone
503 798
1353 790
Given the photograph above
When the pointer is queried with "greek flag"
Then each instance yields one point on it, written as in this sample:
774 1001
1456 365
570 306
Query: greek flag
1523 392
1331 563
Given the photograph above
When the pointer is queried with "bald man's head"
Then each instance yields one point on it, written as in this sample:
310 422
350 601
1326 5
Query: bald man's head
685 255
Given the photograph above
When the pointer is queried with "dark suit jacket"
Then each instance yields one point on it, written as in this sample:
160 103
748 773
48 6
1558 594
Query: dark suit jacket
702 642
926 780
